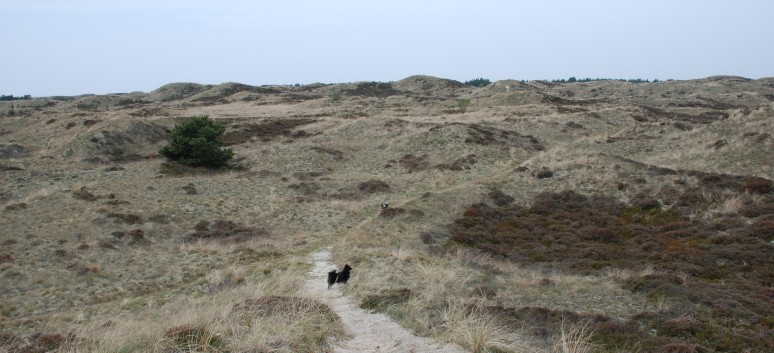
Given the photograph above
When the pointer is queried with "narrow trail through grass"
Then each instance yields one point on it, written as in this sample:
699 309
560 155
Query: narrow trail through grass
369 332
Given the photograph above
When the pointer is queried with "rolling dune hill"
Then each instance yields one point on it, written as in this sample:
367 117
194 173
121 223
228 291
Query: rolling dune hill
639 215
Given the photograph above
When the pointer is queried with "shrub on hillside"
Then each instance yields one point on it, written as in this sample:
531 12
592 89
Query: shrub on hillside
373 186
463 104
197 142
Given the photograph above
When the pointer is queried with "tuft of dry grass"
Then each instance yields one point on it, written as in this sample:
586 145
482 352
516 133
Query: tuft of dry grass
575 338
473 328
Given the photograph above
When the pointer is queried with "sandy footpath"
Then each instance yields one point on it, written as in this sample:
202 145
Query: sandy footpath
369 332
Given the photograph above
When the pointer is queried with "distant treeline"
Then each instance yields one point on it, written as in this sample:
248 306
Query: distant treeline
482 82
12 98
573 79
478 82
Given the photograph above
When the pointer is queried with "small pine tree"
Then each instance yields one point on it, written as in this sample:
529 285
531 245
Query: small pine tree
463 104
196 142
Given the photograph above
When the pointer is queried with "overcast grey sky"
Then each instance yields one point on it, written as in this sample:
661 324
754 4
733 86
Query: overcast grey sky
70 47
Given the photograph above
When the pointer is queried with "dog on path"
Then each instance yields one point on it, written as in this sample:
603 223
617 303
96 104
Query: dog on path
339 277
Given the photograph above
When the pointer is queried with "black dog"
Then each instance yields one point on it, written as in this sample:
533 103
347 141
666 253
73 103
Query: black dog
340 277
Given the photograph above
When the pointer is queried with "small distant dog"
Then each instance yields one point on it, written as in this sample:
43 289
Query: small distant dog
339 277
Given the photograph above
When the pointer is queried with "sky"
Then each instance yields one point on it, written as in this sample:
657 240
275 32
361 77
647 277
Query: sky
72 47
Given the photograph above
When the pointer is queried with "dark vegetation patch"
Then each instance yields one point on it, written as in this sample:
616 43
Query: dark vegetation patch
308 175
414 163
372 89
659 332
737 183
544 173
16 206
713 186
13 150
373 186
640 166
683 126
433 237
131 102
127 218
559 101
265 131
464 163
137 237
84 194
224 230
392 212
190 189
729 274
37 343
336 154
90 122
380 301
718 144
485 136
655 114
5 168
500 198
298 97
706 103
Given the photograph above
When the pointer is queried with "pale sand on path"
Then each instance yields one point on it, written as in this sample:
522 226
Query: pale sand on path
369 332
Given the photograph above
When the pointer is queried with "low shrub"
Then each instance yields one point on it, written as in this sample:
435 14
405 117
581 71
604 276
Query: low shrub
414 163
84 194
264 131
373 186
544 173
500 198
223 230
127 218
459 164
392 212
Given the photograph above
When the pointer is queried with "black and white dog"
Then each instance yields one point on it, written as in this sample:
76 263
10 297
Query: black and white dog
339 277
